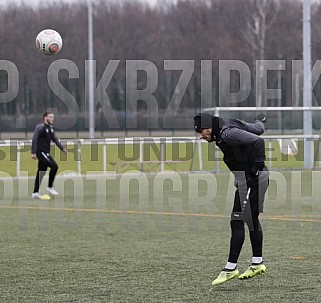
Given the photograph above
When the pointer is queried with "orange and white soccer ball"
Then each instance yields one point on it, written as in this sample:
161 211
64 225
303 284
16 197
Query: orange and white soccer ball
49 42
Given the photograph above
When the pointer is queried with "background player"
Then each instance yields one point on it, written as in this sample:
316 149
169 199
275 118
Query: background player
40 149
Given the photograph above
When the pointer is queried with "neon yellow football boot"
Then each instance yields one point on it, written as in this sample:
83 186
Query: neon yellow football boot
225 276
253 270
45 197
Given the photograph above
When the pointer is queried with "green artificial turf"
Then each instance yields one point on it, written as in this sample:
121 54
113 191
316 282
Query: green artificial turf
163 238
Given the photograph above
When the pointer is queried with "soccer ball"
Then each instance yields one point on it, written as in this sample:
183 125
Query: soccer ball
49 42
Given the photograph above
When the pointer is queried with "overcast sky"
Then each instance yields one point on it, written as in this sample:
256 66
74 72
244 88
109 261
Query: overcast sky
36 2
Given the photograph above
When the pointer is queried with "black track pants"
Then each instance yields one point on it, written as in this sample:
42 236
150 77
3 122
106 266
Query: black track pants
248 204
45 161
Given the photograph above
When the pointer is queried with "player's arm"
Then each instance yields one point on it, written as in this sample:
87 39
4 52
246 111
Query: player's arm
57 142
236 136
34 143
257 127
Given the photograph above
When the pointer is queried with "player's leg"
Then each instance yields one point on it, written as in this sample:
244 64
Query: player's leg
230 270
52 174
237 219
237 231
255 230
42 168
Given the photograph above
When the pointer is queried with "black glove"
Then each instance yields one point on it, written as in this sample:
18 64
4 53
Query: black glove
261 117
255 169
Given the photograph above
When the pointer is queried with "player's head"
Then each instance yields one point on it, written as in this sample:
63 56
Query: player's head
48 117
208 126
203 125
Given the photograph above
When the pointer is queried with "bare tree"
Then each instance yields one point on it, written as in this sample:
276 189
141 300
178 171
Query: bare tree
213 30
262 16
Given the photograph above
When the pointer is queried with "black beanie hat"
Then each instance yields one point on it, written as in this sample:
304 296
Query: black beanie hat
206 120
202 121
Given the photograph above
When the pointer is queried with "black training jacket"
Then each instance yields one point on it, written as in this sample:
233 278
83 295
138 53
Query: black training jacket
242 146
42 137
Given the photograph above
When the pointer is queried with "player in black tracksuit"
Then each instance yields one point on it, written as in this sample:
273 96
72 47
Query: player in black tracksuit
40 149
244 155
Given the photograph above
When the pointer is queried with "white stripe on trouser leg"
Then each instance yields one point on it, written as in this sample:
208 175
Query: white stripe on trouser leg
248 193
45 156
247 199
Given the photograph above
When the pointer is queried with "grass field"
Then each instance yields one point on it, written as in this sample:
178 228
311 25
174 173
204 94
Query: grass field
162 241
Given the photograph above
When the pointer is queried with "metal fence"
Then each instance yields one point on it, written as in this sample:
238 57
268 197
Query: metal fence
307 122
197 161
